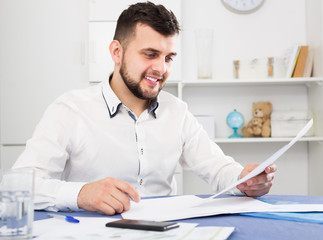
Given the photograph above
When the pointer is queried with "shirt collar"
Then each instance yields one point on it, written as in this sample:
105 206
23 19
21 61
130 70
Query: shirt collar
152 107
113 102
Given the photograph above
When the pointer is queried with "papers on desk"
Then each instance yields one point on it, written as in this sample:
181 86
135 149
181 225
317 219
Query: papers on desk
92 228
189 206
269 161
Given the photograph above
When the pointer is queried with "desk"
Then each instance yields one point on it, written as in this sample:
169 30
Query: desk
248 227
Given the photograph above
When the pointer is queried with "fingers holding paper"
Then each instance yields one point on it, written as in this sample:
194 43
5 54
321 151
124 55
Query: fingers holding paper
108 195
260 184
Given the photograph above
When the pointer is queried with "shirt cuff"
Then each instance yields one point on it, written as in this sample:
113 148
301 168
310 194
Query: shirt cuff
235 178
236 191
67 196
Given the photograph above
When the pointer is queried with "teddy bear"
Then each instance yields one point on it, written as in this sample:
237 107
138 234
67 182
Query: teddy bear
260 124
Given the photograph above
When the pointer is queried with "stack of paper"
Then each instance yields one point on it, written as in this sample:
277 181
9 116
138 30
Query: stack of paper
189 206
92 228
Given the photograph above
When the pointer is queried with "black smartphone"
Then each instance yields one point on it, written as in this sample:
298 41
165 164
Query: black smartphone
143 225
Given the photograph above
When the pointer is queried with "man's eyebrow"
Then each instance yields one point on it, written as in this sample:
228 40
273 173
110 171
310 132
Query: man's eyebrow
157 51
173 54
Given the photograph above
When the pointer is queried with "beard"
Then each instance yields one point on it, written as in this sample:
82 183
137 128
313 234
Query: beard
134 86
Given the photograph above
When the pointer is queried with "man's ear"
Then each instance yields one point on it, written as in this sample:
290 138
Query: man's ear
116 51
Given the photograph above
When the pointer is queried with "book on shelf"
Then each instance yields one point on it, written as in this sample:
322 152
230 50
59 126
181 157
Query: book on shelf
300 63
308 68
290 57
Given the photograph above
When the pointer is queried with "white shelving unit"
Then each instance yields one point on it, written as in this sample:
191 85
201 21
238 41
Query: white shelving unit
300 169
180 85
309 82
244 148
265 81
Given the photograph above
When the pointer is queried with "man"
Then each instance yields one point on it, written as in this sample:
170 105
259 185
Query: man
97 148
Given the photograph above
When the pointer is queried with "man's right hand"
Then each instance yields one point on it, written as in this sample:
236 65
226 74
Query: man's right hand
108 195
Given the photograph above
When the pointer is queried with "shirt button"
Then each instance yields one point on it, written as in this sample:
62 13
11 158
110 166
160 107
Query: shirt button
140 181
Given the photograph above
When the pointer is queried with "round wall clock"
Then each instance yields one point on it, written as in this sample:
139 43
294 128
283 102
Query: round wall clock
242 6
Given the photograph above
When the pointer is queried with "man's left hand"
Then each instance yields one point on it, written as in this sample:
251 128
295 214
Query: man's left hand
260 184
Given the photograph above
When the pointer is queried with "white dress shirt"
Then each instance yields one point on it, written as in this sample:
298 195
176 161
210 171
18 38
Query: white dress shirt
87 135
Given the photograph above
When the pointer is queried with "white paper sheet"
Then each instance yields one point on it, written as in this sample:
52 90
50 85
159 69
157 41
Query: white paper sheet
92 228
267 162
214 233
189 206
53 228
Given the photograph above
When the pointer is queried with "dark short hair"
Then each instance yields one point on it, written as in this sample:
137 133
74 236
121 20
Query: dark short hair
155 16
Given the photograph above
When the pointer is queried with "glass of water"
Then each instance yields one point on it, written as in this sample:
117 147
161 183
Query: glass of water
16 203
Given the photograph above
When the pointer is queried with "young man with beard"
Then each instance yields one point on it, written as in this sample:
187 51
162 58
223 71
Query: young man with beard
96 148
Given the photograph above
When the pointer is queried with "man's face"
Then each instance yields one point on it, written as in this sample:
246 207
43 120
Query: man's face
146 62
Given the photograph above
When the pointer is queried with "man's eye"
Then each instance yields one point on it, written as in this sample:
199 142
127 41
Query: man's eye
150 55
169 59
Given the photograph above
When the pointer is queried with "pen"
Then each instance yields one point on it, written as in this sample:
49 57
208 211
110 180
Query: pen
69 219
129 196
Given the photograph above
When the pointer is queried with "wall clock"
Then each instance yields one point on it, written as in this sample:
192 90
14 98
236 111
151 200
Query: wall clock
243 6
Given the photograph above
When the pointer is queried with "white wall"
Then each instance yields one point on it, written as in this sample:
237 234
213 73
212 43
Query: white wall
277 25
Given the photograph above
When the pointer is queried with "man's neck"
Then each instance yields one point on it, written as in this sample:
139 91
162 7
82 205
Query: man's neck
135 104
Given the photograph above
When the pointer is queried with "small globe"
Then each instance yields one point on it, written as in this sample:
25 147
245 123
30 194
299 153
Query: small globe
235 121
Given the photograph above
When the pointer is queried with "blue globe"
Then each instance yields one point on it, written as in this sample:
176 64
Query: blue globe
235 121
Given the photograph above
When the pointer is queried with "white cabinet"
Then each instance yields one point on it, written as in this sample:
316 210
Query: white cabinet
41 58
100 61
43 55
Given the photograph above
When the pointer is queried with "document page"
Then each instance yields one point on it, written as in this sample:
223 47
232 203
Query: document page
269 161
93 228
189 206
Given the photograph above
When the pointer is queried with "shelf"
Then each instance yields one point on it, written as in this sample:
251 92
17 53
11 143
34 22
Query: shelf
243 82
266 140
172 83
246 82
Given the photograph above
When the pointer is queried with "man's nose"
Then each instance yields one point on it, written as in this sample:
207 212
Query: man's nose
160 66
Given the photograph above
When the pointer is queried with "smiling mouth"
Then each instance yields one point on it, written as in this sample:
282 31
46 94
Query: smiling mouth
151 79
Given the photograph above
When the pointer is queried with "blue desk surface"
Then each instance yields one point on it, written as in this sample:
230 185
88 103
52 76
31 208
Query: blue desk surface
248 227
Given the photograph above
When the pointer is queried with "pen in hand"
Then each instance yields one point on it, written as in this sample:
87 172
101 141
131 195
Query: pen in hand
69 219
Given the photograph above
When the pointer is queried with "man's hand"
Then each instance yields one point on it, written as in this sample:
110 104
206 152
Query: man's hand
260 184
108 195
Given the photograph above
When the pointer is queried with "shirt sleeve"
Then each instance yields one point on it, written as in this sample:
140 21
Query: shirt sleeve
47 152
205 158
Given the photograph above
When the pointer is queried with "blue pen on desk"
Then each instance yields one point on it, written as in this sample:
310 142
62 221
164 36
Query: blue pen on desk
69 219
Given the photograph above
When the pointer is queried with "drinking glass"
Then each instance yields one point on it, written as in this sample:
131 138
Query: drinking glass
16 203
